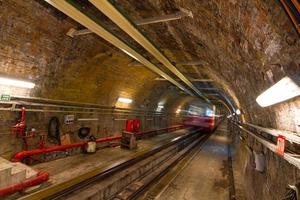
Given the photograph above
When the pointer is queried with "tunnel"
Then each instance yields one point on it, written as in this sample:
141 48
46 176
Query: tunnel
150 99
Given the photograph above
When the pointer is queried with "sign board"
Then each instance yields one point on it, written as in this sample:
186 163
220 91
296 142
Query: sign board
280 145
5 97
69 119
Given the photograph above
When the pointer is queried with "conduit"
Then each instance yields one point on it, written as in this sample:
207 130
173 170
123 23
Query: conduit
290 157
111 12
84 20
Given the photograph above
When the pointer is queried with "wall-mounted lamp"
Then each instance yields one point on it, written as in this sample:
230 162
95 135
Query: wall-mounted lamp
286 88
16 83
159 108
178 110
124 100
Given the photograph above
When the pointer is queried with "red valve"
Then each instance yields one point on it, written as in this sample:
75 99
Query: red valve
280 145
136 125
129 125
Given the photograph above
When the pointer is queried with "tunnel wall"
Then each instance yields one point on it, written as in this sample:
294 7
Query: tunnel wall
34 46
246 46
242 42
251 184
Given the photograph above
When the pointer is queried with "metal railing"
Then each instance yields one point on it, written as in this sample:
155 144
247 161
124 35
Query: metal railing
290 156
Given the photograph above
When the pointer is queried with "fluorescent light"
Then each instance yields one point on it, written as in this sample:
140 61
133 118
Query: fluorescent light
124 100
209 112
160 106
238 111
16 83
283 90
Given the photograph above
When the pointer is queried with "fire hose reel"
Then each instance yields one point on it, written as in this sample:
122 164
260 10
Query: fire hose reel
83 132
54 129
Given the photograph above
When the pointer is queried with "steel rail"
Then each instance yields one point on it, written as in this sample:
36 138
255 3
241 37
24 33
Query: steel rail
118 18
86 21
124 165
61 190
188 150
179 157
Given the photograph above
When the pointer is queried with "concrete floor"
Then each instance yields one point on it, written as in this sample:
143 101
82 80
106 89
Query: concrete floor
206 176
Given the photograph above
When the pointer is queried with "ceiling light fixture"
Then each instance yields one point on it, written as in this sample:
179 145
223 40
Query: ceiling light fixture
285 89
124 100
16 83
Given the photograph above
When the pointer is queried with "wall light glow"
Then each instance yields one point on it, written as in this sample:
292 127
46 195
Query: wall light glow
285 89
159 108
238 111
124 100
178 110
16 83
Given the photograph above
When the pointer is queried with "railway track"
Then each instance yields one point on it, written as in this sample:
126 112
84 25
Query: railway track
145 183
131 178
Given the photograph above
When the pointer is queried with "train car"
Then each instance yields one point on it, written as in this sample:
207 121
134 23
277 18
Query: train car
205 122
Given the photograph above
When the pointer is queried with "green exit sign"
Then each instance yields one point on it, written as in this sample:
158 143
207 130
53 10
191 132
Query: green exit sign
5 97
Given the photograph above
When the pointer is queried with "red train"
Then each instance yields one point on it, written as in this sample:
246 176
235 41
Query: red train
205 122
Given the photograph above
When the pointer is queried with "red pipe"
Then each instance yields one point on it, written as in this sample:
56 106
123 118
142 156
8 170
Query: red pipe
18 157
108 139
41 177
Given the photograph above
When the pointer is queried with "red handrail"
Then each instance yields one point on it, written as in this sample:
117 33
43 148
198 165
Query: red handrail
40 178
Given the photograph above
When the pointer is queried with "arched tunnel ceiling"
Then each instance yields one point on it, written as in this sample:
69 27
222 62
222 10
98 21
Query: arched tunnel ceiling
246 46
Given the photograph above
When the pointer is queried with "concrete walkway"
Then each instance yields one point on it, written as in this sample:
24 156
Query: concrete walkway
206 176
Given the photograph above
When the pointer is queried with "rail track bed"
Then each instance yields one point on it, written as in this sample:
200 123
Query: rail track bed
108 173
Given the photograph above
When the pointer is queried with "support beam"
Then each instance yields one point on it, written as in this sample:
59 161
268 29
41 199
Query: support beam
182 63
151 20
207 94
84 20
191 79
208 88
111 12
165 18
73 32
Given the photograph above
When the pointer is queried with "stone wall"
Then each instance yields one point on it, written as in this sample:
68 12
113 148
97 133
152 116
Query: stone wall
34 46
251 184
246 46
